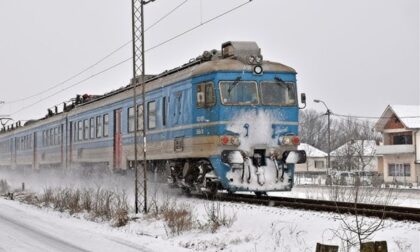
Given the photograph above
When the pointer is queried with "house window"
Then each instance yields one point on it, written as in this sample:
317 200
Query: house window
399 170
402 139
319 164
151 113
106 124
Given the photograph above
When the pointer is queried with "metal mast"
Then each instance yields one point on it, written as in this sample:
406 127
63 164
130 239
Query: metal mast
139 78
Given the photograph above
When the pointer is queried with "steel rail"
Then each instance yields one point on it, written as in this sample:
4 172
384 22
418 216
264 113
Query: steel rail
370 210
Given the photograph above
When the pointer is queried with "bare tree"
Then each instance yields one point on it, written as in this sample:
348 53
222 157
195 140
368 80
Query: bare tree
356 229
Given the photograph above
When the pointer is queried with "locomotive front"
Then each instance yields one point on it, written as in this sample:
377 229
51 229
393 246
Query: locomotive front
257 113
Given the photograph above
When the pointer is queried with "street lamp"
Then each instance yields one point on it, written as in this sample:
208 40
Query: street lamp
329 133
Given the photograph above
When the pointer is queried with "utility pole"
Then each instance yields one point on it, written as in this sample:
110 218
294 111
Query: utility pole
328 113
138 71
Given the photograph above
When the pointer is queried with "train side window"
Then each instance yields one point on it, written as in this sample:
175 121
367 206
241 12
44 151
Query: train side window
164 105
131 118
60 133
50 137
98 126
151 115
205 95
92 127
80 130
106 124
140 117
75 131
85 129
55 139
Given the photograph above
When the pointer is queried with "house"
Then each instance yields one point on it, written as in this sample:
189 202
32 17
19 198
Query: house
400 150
355 155
316 162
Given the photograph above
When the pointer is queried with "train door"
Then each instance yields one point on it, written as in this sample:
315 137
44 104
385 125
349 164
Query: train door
34 166
117 139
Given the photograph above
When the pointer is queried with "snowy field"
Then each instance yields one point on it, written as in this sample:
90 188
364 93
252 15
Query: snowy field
253 228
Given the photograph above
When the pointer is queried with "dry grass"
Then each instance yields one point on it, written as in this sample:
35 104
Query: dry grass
4 186
99 204
178 218
217 217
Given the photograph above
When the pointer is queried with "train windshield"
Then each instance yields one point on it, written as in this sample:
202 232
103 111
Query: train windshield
278 93
239 92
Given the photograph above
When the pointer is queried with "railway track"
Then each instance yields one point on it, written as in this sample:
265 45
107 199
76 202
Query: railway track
371 210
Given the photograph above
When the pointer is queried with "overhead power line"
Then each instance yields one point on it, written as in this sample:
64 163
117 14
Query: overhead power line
97 62
373 117
147 50
199 25
73 85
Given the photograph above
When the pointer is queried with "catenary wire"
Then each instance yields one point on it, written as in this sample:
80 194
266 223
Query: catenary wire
97 62
149 49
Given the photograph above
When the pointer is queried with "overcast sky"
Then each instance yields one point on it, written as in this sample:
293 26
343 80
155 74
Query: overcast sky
356 55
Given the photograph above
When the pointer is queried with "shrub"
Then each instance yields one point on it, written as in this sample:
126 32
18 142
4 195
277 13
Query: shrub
178 218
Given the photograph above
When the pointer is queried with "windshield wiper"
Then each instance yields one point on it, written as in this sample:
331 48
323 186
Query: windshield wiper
281 82
233 85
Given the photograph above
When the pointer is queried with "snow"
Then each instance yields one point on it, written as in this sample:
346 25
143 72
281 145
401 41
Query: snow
408 114
311 151
256 228
365 147
28 228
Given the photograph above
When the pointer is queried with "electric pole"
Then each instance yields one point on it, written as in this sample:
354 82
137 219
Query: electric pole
139 76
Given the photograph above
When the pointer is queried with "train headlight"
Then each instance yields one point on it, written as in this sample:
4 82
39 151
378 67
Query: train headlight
289 140
258 69
251 60
258 59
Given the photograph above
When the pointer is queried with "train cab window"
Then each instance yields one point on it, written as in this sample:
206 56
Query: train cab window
205 95
106 125
99 126
80 130
278 93
151 115
238 92
92 127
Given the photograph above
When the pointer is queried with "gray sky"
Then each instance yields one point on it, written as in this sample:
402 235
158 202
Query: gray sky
356 55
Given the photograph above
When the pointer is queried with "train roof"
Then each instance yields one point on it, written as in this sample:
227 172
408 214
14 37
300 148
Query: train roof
233 56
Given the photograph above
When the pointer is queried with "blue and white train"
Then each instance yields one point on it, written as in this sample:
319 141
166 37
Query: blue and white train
226 120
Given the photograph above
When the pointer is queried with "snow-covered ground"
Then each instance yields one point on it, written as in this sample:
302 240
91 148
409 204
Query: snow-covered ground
254 228
398 197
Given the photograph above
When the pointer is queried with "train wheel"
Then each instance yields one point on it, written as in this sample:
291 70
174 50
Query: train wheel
259 194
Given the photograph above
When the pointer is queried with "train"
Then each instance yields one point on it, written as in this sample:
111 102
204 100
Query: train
226 120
